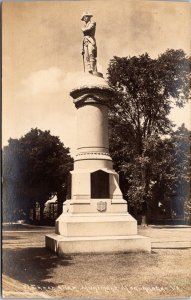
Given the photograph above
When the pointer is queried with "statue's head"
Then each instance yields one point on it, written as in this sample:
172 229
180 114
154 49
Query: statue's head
86 16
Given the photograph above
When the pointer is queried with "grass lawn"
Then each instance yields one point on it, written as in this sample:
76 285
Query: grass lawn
31 270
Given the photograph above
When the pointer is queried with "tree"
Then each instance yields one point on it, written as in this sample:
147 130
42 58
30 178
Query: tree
35 167
169 160
145 90
175 172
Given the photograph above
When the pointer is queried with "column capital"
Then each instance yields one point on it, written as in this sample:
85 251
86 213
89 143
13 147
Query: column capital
91 90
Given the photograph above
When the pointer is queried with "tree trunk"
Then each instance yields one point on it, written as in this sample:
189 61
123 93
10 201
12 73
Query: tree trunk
27 214
41 213
135 211
34 212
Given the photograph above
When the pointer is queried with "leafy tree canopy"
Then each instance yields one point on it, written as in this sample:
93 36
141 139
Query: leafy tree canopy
145 91
35 167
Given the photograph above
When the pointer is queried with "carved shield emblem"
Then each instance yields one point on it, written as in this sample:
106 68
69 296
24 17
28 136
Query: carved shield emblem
101 206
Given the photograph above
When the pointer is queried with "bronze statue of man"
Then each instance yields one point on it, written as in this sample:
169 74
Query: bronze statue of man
89 48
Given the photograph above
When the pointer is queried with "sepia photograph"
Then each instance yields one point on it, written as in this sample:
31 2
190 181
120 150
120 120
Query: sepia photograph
96 156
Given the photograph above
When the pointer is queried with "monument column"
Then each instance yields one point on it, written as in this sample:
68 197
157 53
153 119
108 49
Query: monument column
92 124
92 164
95 218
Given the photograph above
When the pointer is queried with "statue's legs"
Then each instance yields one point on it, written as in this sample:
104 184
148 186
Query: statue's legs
87 57
90 54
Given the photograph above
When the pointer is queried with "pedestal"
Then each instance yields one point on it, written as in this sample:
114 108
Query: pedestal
95 218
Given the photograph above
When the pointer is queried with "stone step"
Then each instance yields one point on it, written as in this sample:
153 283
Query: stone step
63 245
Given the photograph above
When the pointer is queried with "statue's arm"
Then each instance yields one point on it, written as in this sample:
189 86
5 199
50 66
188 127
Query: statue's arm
89 27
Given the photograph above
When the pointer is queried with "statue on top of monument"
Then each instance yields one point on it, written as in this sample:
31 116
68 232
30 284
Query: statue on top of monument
89 48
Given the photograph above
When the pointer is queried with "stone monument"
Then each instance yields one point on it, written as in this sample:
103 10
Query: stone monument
95 217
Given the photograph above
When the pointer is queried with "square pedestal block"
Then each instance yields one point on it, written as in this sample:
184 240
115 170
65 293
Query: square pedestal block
100 224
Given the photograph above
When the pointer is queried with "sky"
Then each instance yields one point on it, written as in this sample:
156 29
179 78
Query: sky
41 52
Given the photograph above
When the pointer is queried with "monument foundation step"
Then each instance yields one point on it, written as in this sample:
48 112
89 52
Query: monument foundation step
71 245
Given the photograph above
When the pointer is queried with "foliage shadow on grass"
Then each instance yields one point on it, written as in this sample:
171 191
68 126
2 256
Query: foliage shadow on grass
33 266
